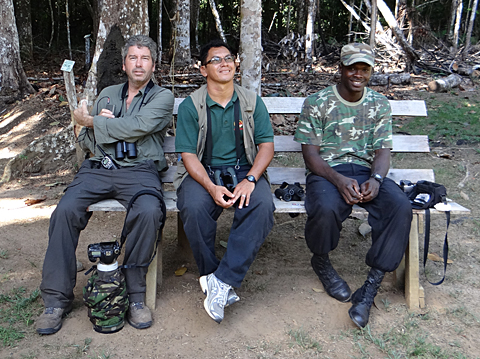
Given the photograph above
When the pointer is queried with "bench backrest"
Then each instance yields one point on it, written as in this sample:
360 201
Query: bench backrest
293 105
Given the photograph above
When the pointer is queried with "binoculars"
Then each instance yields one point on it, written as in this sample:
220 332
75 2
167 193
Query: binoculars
290 192
123 148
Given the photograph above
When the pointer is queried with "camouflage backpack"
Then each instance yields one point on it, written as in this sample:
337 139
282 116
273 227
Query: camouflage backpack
106 297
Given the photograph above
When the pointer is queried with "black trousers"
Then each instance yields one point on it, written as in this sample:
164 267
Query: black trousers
89 186
389 215
250 227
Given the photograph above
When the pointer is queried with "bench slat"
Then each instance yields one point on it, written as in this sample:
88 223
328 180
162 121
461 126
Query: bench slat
293 105
278 175
401 143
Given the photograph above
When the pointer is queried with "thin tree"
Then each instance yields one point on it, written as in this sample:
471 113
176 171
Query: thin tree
309 35
218 23
458 21
13 81
470 27
251 44
159 40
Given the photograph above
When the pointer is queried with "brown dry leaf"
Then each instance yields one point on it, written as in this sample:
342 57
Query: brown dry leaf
436 258
32 201
180 271
318 290
63 103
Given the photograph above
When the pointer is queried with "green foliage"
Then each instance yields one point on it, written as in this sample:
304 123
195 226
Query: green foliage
303 340
449 121
16 312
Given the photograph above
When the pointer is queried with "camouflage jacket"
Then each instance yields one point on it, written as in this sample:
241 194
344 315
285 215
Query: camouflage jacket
347 132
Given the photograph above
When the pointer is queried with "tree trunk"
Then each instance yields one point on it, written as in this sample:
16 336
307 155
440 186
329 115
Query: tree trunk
159 40
470 27
194 17
451 23
458 21
301 16
24 27
218 23
445 84
131 16
182 44
309 35
13 81
392 23
251 44
373 24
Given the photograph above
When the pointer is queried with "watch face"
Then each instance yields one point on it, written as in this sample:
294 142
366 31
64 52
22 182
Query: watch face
250 178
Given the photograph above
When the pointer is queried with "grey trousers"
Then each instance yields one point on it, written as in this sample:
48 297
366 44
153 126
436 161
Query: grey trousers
250 227
91 185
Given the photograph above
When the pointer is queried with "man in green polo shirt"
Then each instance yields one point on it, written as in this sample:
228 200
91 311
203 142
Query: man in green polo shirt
225 140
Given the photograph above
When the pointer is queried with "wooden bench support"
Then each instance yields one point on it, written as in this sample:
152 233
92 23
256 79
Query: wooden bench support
412 273
154 278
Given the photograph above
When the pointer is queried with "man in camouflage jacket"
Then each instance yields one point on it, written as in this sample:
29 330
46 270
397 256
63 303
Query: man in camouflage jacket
346 136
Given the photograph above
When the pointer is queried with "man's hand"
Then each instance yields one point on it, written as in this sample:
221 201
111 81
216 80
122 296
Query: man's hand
369 190
83 118
349 189
243 191
218 192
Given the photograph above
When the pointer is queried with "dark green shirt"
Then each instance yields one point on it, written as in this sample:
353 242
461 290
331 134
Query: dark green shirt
223 132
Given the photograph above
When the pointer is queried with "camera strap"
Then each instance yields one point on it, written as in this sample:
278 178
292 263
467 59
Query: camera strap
207 158
125 230
125 91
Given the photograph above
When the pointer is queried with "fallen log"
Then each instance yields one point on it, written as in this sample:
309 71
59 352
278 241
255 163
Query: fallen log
466 70
442 85
390 79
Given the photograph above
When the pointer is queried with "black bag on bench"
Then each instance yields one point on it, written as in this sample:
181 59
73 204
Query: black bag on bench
425 195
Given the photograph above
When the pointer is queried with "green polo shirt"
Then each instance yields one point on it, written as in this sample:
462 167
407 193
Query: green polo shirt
223 130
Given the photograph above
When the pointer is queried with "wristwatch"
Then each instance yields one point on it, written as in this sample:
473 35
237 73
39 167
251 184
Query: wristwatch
377 177
251 178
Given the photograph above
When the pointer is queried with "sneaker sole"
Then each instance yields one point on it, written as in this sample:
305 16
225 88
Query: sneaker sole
140 325
204 286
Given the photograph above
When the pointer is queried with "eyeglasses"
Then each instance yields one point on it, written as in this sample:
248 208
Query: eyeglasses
218 60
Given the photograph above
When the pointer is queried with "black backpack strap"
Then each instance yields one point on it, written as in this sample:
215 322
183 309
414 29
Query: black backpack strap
427 242
125 230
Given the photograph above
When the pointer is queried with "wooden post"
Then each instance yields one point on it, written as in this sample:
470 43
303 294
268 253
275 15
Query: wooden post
412 279
69 80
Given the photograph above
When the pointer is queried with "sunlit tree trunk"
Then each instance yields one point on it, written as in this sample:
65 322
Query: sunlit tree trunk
309 36
470 27
182 44
131 16
218 23
194 17
24 27
251 44
13 81
458 21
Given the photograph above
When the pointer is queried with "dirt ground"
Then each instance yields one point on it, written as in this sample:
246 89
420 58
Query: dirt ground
284 311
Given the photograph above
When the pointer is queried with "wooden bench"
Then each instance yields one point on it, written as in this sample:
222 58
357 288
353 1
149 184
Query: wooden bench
409 270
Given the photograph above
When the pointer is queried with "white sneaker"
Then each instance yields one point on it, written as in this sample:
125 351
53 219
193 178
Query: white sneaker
217 296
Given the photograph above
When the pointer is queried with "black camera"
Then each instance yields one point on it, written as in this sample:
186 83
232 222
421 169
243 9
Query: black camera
290 192
106 252
123 148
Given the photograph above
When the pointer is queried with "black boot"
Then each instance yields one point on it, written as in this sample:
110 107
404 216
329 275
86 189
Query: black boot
334 285
363 297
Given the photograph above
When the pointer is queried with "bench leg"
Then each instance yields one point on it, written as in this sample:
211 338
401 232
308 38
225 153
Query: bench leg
154 277
183 242
412 279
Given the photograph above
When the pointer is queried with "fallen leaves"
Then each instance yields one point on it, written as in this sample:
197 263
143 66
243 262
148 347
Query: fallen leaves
32 201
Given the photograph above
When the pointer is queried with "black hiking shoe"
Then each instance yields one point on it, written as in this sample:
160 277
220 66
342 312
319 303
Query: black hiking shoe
363 297
334 285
